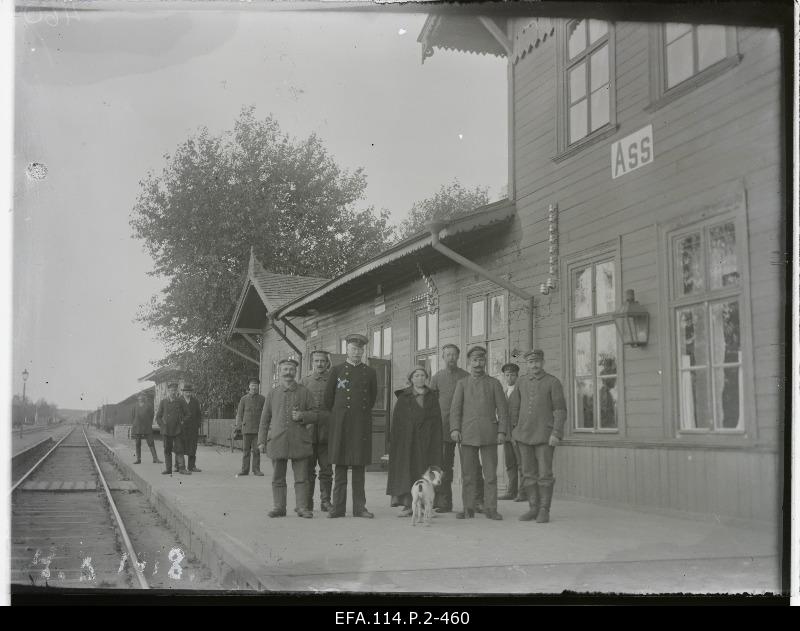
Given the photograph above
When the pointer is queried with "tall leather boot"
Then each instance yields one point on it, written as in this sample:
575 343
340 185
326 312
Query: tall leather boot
192 467
154 453
546 492
181 464
325 495
310 485
138 452
522 494
279 502
534 505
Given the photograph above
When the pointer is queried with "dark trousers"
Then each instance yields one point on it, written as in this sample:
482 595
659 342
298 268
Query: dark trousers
300 471
444 494
471 458
190 441
537 464
320 457
513 467
173 444
150 443
340 488
250 447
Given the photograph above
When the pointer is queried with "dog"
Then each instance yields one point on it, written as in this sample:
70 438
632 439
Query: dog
423 492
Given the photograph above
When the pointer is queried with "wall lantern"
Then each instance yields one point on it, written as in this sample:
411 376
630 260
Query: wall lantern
633 321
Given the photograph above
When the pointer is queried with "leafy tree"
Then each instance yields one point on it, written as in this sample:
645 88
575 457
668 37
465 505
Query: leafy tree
450 201
217 196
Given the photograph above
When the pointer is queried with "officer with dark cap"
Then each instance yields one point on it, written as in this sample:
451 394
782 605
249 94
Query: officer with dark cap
478 423
248 417
316 382
172 415
538 411
350 393
191 428
510 450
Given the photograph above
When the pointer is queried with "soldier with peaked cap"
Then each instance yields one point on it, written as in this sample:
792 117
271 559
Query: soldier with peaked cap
191 428
538 411
171 416
285 430
510 450
350 393
316 382
248 417
142 426
479 422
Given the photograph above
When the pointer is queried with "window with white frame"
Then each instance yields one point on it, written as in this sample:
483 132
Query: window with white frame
705 307
381 340
594 344
487 325
426 339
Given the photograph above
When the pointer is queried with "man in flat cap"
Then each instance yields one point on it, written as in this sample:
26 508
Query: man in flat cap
538 411
510 450
444 383
172 415
350 393
285 430
248 417
316 382
479 422
191 428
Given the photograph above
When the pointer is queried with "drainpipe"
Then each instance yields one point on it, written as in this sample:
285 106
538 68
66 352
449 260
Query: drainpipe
435 227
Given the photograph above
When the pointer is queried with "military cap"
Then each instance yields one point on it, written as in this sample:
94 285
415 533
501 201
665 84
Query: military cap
446 346
536 353
172 384
509 368
289 361
253 380
476 349
187 387
357 339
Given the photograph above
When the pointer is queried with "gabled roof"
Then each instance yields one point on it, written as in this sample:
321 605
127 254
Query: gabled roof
160 374
463 33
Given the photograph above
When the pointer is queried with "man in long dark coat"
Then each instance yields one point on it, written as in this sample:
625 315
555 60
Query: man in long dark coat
248 417
142 427
192 426
172 414
316 382
350 393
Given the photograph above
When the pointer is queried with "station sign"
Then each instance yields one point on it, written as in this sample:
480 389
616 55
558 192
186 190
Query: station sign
632 152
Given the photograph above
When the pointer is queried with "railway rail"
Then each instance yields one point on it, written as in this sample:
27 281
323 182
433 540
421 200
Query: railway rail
65 526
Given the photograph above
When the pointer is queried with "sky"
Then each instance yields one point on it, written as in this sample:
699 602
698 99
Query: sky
102 96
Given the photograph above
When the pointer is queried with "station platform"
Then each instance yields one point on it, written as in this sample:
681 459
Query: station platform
587 547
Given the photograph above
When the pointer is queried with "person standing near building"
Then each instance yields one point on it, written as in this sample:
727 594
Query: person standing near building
284 430
172 415
444 383
350 394
248 417
191 428
142 427
478 423
538 411
510 450
315 382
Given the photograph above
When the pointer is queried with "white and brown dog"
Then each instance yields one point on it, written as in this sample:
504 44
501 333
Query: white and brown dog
423 492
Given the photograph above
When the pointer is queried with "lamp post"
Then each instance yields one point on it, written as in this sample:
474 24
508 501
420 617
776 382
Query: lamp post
24 407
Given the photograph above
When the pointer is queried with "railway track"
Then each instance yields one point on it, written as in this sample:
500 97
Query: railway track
65 527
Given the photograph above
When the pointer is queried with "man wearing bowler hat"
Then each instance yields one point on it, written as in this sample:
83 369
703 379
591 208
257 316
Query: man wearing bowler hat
172 416
316 382
478 423
510 450
248 417
192 426
538 410
350 393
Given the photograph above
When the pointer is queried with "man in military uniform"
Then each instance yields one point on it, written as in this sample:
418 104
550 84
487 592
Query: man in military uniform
316 382
192 426
444 382
538 410
248 417
142 427
350 393
172 415
478 423
285 429
510 449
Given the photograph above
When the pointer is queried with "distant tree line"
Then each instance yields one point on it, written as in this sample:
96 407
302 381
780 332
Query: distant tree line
42 409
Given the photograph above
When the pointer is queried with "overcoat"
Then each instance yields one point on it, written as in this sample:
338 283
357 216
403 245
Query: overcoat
172 415
285 438
538 409
316 386
445 382
415 439
350 393
142 420
479 410
195 417
248 414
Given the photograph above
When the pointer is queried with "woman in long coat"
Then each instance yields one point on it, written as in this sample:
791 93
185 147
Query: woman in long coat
415 439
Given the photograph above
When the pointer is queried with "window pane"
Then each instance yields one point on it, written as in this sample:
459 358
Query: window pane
597 29
673 31
478 324
606 345
607 400
496 357
433 362
577 121
692 337
582 293
725 344
695 412
497 317
583 353
387 341
576 37
690 264
680 64
723 265
605 298
584 403
599 67
433 332
577 82
344 347
600 108
710 45
376 343
728 391
422 338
